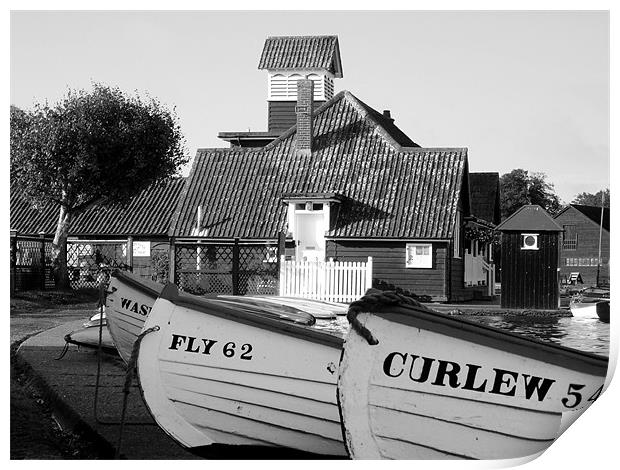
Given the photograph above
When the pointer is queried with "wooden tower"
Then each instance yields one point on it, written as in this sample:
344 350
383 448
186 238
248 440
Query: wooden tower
288 59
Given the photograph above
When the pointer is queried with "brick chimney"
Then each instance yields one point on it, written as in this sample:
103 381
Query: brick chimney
388 115
303 111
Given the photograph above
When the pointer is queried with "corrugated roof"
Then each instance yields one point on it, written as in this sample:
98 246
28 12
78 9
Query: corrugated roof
148 213
388 190
530 218
594 214
484 191
302 52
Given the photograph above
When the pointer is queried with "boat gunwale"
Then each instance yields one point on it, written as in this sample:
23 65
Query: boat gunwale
141 286
496 338
212 306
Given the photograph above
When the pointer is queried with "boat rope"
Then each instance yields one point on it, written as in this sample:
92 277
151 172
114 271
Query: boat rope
128 379
102 301
372 301
64 351
99 421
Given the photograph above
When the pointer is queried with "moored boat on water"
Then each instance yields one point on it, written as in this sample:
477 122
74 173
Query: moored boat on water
417 384
588 302
602 310
214 372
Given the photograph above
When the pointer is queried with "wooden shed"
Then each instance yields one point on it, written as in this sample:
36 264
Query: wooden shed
530 259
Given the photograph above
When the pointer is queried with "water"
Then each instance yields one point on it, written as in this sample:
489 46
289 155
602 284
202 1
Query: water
583 334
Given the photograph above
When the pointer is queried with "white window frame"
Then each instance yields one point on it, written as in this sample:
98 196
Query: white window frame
423 261
525 247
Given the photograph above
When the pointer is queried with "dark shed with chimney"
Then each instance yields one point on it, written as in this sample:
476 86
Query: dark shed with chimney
530 257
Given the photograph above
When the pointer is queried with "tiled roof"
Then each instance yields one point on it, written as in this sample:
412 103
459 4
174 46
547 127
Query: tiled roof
530 218
148 213
593 213
388 190
484 191
302 52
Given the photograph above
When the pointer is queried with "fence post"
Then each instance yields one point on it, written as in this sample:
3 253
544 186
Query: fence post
235 267
172 261
42 254
13 259
369 273
280 256
282 276
130 253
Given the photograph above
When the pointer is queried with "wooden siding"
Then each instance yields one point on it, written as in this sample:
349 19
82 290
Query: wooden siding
587 247
458 291
530 277
281 115
389 271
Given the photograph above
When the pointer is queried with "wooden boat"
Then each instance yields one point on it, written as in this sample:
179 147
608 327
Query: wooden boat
89 337
602 310
317 308
128 303
586 303
221 373
584 309
441 387
130 299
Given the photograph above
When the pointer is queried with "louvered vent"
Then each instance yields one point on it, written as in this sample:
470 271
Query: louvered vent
283 87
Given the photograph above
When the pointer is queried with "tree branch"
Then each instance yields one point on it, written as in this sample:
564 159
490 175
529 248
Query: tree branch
85 205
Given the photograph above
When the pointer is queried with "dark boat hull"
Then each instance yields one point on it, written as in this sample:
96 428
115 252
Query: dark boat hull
602 310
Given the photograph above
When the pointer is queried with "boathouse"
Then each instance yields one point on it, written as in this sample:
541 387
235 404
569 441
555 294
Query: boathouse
337 178
530 260
331 182
584 230
132 236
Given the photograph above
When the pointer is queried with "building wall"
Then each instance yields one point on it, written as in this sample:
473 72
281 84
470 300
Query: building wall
530 277
389 271
587 249
281 115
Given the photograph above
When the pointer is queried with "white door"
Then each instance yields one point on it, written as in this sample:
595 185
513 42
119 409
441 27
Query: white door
310 235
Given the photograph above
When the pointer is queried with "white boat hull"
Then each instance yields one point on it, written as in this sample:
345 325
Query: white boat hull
131 299
216 376
128 303
89 337
584 310
436 388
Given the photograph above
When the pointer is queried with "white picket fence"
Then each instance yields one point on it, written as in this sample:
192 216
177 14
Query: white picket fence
332 281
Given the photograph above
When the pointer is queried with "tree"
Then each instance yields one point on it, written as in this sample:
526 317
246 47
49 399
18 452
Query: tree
97 147
589 199
519 188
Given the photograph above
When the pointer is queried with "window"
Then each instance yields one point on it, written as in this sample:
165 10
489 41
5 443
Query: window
583 262
529 241
569 241
419 255
309 206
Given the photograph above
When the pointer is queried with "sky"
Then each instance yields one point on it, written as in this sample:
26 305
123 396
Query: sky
519 89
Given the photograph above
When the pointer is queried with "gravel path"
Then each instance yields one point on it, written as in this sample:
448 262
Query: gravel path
34 431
